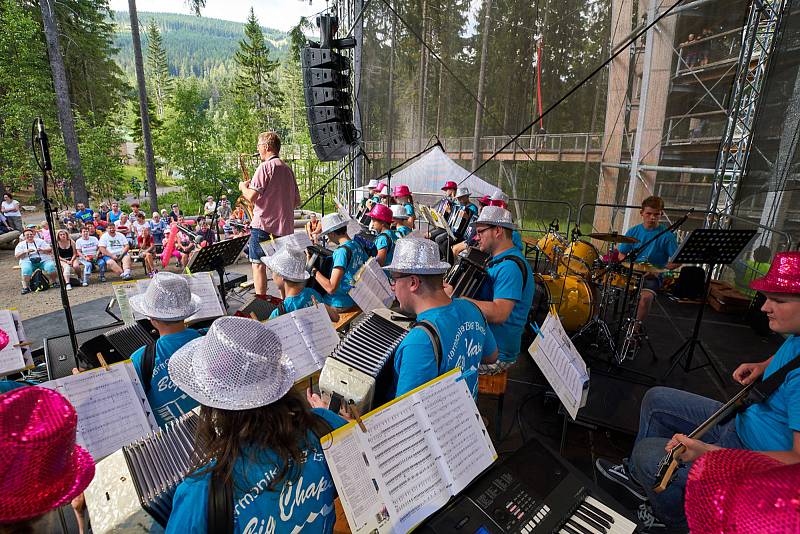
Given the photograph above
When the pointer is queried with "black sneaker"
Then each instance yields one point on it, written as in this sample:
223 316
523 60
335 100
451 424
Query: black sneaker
26 290
648 521
619 473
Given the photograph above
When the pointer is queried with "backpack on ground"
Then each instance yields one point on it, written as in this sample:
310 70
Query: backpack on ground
39 281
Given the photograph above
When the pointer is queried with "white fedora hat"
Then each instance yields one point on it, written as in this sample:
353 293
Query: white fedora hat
290 263
238 365
496 216
167 298
414 255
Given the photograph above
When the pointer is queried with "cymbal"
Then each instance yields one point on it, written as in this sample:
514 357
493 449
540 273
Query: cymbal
648 268
614 238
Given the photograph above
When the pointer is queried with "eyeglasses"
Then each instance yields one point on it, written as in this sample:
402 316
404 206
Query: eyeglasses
395 277
479 232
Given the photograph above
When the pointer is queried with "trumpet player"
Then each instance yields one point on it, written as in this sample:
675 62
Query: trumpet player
274 195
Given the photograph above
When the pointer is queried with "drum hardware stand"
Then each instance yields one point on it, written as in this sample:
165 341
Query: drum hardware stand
712 247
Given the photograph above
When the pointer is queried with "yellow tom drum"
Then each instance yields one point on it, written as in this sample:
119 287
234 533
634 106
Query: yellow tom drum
572 297
552 244
578 259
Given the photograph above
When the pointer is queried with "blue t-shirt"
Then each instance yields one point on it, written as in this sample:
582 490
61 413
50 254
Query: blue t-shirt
658 252
7 385
402 231
516 238
166 399
770 425
409 207
157 229
504 281
85 215
466 340
472 208
306 505
385 240
304 299
341 297
114 217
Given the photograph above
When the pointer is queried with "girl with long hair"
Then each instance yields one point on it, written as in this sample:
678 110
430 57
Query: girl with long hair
67 253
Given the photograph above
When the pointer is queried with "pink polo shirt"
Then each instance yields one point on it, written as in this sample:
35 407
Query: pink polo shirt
278 196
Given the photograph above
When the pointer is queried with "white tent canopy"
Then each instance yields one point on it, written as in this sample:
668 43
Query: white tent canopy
430 171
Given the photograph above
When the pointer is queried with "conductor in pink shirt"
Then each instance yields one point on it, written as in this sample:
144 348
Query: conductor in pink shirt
274 194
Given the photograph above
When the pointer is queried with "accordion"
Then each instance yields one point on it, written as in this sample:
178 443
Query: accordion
117 344
467 273
459 221
360 368
134 486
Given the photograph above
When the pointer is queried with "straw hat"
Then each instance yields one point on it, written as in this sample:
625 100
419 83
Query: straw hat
495 216
783 275
414 255
288 262
449 185
381 213
167 298
462 192
398 212
41 467
238 365
333 221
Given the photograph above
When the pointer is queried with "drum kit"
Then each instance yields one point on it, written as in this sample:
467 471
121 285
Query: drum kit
586 288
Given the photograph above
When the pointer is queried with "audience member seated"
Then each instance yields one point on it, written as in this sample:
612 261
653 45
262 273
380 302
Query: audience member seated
99 224
123 227
147 247
313 228
185 246
43 232
88 255
34 253
10 208
114 214
138 225
206 233
83 214
135 211
157 227
175 214
113 248
104 211
5 227
224 210
209 207
288 267
67 254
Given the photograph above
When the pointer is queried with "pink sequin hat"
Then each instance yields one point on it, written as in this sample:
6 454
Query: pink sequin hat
401 191
381 213
41 467
4 339
783 275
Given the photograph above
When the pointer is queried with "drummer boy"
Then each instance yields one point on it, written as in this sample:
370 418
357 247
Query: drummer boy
656 253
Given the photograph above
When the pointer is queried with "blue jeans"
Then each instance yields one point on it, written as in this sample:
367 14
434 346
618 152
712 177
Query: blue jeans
254 250
665 412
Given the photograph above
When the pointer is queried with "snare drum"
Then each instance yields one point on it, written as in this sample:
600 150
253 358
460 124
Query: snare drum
619 280
579 259
572 297
552 244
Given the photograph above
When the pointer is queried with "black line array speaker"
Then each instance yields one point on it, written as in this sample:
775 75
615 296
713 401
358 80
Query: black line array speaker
326 88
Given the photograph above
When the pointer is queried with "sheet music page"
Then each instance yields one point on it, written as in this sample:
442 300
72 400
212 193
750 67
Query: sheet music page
561 364
201 284
27 354
353 227
294 345
11 357
317 331
122 292
462 440
372 289
299 240
110 412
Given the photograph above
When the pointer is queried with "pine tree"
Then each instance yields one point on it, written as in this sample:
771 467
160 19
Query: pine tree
255 80
157 68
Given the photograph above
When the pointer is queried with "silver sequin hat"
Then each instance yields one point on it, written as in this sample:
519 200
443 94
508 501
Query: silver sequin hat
495 216
238 365
372 184
167 298
290 263
398 212
499 195
333 221
413 255
462 192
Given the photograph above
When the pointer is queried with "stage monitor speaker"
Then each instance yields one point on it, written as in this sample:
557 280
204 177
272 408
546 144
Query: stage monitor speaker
58 353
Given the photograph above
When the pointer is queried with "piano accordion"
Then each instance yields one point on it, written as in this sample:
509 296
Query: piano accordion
530 492
468 272
133 488
117 344
360 368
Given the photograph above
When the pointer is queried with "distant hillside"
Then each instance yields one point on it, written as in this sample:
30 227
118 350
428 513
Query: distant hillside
198 46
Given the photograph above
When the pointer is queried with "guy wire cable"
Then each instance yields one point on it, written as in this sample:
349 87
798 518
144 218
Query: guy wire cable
569 93
457 79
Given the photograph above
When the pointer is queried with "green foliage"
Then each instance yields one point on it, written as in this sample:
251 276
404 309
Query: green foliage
99 148
255 78
134 120
157 70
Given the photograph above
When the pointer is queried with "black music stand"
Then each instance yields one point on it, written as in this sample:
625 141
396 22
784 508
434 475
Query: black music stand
215 257
713 247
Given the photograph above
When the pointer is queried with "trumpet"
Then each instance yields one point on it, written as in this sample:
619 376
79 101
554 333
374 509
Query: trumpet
242 202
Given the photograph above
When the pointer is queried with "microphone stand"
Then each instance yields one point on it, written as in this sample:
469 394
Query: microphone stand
39 137
634 254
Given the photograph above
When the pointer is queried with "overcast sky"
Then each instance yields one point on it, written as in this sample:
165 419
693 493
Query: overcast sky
279 14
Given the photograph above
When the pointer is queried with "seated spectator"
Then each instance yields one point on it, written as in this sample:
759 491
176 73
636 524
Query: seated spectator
175 213
43 232
113 248
209 207
206 233
67 254
104 211
114 214
135 211
313 228
99 224
83 214
10 208
147 249
224 211
138 225
34 253
72 226
184 245
157 227
175 252
5 227
88 257
123 227
165 215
